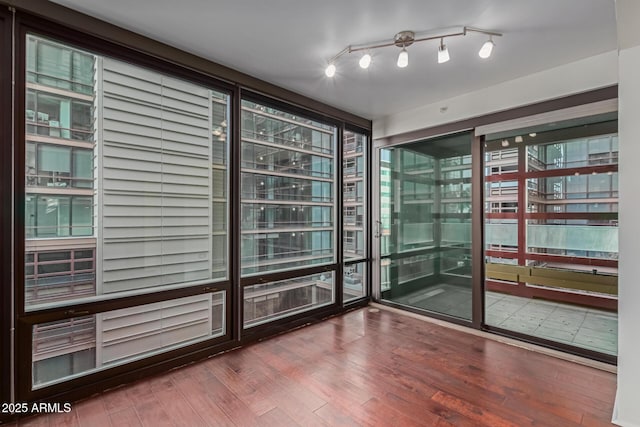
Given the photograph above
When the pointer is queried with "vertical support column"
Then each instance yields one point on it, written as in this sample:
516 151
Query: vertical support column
236 316
395 226
522 206
369 226
7 286
477 232
375 222
339 215
438 217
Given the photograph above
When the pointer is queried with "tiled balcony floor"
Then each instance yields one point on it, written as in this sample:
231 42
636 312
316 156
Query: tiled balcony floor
588 328
583 327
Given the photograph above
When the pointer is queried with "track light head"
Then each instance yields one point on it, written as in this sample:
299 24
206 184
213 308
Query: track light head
365 61
443 53
403 58
330 71
486 49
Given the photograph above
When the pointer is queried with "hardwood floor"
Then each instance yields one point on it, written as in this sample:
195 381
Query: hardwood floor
363 368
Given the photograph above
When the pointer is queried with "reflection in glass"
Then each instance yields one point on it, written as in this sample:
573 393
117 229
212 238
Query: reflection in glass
266 302
355 281
67 348
426 225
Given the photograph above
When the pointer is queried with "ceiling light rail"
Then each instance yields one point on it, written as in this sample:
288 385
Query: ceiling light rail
405 39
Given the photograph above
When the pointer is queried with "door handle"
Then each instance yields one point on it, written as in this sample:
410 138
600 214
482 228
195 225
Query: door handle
377 234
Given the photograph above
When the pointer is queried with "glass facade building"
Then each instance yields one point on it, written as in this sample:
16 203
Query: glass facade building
59 172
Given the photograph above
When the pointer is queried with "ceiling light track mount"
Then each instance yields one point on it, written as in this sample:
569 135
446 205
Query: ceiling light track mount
406 38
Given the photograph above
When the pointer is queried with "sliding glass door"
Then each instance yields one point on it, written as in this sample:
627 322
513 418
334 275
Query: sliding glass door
424 230
543 201
551 232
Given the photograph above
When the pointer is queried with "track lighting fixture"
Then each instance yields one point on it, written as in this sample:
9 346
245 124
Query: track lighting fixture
404 39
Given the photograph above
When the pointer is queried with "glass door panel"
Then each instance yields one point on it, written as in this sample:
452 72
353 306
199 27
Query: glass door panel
551 232
425 225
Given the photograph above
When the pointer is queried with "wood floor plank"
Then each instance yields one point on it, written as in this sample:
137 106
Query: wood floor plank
239 413
201 402
256 400
91 412
116 400
127 417
174 404
35 421
64 419
276 417
477 413
335 415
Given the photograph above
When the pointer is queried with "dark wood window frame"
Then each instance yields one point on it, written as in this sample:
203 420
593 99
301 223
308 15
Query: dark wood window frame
6 195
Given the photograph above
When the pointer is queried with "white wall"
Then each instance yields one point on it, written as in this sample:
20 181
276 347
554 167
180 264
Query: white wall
627 411
580 76
628 397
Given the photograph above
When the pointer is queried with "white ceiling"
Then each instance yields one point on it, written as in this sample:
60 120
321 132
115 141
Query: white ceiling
288 42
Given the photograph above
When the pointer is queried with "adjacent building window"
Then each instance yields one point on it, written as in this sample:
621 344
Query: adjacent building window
59 116
57 275
52 165
57 66
58 216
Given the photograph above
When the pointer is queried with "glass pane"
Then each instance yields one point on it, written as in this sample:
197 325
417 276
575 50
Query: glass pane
81 121
53 159
551 268
354 195
53 65
52 276
53 116
355 281
82 168
82 216
287 190
162 163
53 217
30 216
426 225
266 302
72 347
